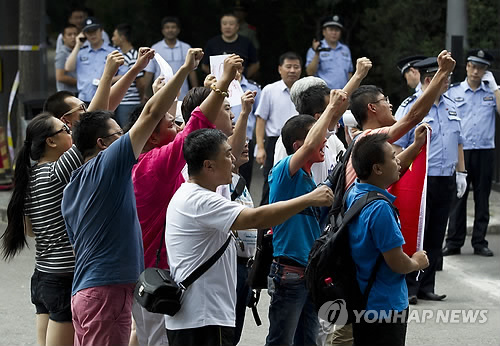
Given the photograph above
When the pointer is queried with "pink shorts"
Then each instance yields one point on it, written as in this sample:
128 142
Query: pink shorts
102 315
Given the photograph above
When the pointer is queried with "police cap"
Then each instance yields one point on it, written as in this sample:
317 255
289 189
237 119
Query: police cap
428 65
480 56
334 20
405 63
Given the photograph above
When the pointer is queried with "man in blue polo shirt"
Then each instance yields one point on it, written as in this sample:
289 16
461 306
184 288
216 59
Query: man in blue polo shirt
376 231
329 59
90 59
292 317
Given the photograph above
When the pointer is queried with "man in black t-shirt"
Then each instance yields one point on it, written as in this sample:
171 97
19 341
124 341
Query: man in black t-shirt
230 42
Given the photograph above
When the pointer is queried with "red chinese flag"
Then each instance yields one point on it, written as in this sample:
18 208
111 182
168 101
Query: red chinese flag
410 192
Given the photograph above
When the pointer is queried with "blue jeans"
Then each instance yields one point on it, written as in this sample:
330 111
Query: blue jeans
292 316
122 114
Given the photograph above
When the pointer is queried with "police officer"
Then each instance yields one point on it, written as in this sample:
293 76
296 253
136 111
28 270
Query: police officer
477 98
409 72
329 59
89 60
445 158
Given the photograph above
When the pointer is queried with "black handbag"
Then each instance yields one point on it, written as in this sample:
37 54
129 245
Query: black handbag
157 292
259 270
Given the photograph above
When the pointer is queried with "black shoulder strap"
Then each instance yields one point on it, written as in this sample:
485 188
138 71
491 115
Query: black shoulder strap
353 211
239 188
205 266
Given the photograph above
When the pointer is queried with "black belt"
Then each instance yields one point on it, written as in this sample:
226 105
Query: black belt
288 261
242 260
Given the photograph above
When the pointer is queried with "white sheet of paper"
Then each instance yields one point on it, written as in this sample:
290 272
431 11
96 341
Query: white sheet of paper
165 68
216 68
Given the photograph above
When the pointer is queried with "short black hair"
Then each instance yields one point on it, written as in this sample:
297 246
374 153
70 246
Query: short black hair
360 99
368 151
133 116
296 129
56 105
290 56
229 14
67 26
92 125
424 75
312 100
170 19
201 145
193 99
125 29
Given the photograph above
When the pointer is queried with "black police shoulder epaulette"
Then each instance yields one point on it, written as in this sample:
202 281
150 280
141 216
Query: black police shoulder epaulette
455 84
408 100
254 83
449 98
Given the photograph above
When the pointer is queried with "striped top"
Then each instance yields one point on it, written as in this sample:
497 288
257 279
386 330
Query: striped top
132 96
54 253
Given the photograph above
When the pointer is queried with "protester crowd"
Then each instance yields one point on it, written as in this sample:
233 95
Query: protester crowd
130 167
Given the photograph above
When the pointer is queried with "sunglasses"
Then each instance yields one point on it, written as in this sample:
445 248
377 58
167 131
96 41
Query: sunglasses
64 128
81 107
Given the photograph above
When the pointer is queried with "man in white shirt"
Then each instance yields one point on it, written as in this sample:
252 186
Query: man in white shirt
198 223
173 51
274 109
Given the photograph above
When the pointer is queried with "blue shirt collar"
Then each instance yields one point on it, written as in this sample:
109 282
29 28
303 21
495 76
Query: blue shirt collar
465 86
364 187
326 45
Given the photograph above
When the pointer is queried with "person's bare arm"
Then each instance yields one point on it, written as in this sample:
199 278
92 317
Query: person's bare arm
193 79
120 88
424 103
205 68
141 86
401 263
70 64
148 79
260 133
28 228
312 68
317 133
210 107
100 101
116 78
159 103
62 77
407 156
277 213
238 138
253 69
461 161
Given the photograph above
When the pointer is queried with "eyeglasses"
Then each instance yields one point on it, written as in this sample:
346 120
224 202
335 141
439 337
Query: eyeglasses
385 98
81 107
119 133
64 128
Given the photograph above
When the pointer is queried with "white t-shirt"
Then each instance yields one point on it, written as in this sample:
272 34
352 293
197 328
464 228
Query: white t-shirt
248 237
320 170
197 225
222 190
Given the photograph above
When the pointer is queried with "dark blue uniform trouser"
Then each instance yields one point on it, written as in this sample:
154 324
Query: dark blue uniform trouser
479 166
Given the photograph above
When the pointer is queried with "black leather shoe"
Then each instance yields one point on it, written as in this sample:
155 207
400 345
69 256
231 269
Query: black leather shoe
447 251
431 296
483 251
412 300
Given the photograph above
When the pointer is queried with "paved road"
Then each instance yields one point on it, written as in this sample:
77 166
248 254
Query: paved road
471 282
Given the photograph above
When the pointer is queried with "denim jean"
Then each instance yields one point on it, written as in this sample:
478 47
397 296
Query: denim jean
293 320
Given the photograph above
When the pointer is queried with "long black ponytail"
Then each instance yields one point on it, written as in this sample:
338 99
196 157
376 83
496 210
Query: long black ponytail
38 130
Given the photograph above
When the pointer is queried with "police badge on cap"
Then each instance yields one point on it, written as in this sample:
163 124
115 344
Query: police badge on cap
334 20
480 56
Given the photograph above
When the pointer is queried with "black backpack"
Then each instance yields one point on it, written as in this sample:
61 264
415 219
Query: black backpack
330 258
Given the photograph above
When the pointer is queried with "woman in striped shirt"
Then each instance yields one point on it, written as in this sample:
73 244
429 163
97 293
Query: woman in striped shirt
35 210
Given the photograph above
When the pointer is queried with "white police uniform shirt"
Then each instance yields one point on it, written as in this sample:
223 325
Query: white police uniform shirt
334 66
174 56
446 134
89 68
476 110
275 107
252 86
